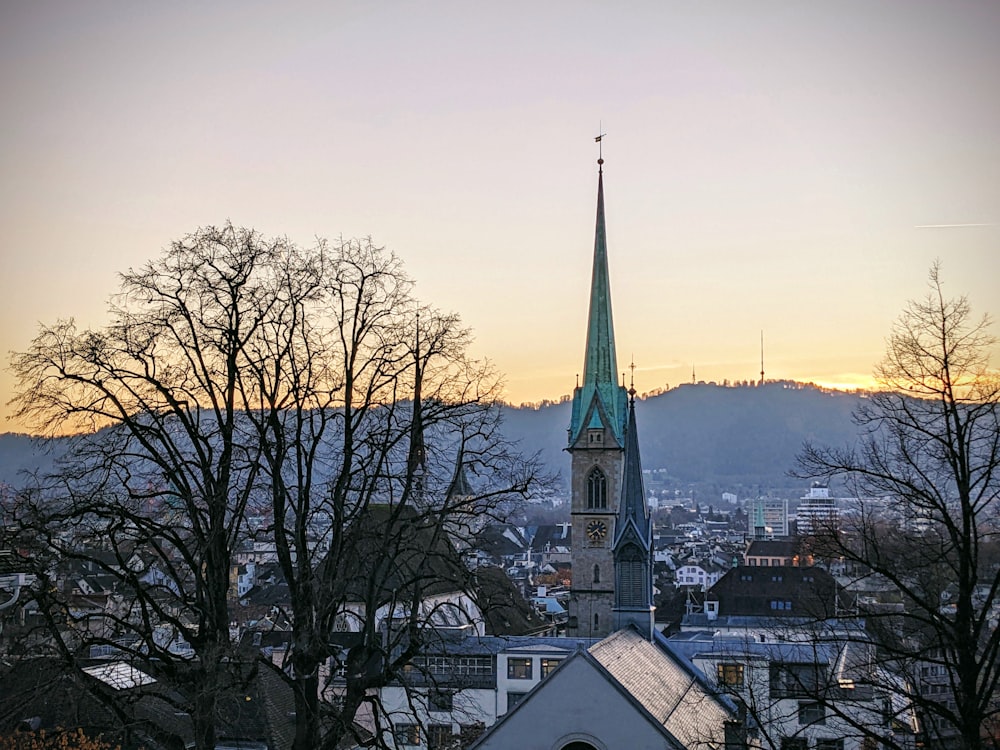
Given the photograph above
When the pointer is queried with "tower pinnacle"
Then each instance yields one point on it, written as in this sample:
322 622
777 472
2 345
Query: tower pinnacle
600 367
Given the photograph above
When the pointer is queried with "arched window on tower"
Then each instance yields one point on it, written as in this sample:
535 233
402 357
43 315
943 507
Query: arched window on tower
597 621
597 574
597 489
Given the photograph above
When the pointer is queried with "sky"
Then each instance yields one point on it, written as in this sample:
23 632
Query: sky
786 167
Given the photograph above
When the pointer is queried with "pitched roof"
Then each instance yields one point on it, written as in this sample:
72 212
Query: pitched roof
779 591
671 692
504 609
394 551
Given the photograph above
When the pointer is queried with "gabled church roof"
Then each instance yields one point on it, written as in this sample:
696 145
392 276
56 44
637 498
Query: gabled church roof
674 693
624 691
600 366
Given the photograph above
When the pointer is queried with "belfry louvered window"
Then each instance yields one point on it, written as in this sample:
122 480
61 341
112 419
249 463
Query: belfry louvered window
597 489
631 582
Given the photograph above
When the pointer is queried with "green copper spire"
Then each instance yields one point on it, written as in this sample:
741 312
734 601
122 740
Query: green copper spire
600 367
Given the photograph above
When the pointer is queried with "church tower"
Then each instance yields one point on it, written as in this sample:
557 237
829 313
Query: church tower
596 443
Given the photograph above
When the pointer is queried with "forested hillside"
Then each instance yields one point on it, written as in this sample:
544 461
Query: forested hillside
710 433
699 433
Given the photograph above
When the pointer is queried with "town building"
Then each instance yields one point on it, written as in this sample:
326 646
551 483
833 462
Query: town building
769 517
626 691
817 511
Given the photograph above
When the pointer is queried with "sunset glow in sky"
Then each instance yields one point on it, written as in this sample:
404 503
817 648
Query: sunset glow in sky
780 166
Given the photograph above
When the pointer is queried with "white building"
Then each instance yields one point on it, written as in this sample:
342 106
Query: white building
465 685
817 511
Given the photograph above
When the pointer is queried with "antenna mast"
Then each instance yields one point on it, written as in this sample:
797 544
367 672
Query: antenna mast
762 356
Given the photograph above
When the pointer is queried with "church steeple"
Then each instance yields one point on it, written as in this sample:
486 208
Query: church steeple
600 397
597 432
633 540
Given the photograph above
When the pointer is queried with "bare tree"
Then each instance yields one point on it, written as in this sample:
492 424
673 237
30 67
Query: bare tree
162 474
305 385
367 401
928 468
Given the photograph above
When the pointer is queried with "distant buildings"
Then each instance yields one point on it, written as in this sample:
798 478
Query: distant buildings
817 511
769 517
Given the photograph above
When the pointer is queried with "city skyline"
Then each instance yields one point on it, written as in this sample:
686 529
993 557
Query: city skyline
786 169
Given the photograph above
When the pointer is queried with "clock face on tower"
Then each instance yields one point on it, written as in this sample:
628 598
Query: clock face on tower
597 530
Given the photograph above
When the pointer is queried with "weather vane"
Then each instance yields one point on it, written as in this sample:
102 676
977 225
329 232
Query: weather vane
598 139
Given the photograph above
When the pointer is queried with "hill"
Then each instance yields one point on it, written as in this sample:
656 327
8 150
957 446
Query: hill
705 434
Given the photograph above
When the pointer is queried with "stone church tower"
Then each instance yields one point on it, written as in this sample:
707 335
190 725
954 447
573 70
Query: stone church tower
596 444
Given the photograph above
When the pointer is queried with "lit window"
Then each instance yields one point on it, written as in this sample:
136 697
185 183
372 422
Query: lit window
518 669
407 734
548 665
729 675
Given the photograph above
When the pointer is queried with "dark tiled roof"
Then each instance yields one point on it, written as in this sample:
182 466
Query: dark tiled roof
752 590
773 548
504 609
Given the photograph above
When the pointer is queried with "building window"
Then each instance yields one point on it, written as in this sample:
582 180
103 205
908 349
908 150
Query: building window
597 489
811 713
597 574
781 604
595 437
829 744
407 734
729 675
439 737
518 668
794 743
513 699
789 680
548 665
597 621
440 700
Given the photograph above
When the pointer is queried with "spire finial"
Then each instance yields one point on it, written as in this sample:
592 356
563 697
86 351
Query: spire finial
631 385
600 146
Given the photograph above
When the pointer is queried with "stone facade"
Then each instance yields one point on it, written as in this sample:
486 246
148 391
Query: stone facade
592 594
596 443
